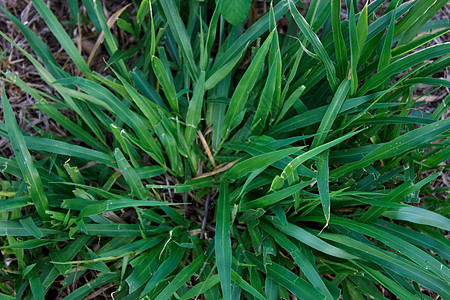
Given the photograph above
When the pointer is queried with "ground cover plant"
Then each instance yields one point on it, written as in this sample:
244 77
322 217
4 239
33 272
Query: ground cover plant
228 155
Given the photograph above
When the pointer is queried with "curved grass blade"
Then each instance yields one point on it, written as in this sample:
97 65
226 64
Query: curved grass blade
130 175
413 253
194 112
180 34
318 47
243 89
277 183
338 39
293 283
300 259
61 35
164 270
181 278
166 82
274 198
410 140
309 239
396 195
392 262
25 161
403 64
331 113
102 279
246 286
418 215
323 185
242 168
201 287
222 239
390 284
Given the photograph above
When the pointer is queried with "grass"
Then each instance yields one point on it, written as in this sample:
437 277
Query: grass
229 163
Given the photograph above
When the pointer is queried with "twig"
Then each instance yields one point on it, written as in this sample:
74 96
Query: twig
202 235
207 149
219 170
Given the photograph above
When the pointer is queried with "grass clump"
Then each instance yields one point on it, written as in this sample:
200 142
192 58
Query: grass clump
218 162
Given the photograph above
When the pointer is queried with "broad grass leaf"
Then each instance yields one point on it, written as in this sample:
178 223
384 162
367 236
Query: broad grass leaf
242 168
235 11
309 239
245 86
222 244
25 161
408 141
61 35
181 278
418 215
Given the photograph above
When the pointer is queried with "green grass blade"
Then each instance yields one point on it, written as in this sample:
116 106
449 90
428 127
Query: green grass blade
338 39
181 36
25 161
392 262
36 286
62 37
181 278
316 115
418 215
323 184
396 195
362 28
242 168
101 206
386 52
243 89
392 285
146 88
300 259
331 113
422 40
142 272
410 140
413 253
293 283
421 18
265 101
246 286
403 64
277 183
166 82
102 279
217 76
194 112
250 35
201 287
130 175
223 241
318 47
309 239
274 198
164 270
62 148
